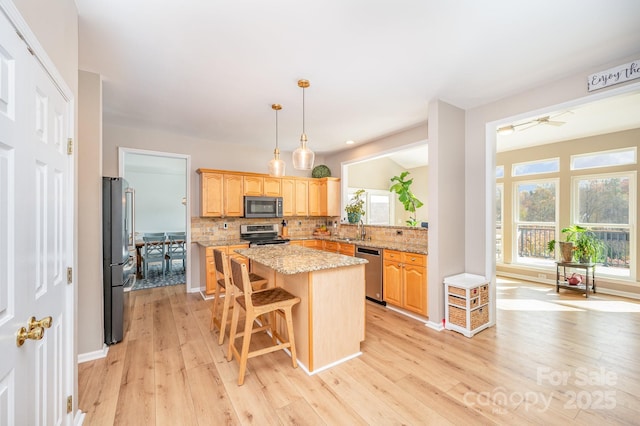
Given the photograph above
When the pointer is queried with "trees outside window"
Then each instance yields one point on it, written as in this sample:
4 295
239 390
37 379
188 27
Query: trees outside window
603 204
536 221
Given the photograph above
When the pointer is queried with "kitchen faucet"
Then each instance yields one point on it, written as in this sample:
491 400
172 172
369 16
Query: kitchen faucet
363 232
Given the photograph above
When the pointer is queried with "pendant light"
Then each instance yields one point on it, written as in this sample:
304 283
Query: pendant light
303 156
276 165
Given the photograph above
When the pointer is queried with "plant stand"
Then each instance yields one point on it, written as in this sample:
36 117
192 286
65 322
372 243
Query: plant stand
589 281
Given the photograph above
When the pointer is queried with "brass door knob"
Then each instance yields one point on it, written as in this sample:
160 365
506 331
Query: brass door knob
43 323
24 334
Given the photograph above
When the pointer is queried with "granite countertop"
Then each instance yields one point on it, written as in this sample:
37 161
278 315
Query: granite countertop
383 244
288 259
220 243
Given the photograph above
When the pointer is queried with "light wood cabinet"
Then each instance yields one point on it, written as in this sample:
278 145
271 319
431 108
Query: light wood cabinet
338 247
211 194
295 196
233 195
288 188
272 187
314 244
405 280
301 197
208 265
221 194
324 197
347 249
253 185
262 186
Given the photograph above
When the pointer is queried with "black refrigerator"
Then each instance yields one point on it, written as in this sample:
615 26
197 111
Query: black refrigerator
117 262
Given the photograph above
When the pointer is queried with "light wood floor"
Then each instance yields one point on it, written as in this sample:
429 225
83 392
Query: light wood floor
552 359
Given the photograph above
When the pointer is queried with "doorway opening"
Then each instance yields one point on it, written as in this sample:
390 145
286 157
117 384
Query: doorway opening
161 187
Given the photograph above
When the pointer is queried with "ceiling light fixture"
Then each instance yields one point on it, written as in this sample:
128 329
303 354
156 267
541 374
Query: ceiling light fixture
506 130
276 165
349 142
303 156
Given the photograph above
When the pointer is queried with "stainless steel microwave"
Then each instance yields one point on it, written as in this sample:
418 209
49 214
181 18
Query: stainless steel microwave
256 207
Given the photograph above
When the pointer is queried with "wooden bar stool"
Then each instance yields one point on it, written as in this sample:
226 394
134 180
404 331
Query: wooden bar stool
223 284
256 304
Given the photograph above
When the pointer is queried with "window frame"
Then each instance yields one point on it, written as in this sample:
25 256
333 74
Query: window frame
515 221
573 157
367 204
541 160
631 226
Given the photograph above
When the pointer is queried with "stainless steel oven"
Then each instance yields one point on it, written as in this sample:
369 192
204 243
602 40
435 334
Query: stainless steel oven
262 207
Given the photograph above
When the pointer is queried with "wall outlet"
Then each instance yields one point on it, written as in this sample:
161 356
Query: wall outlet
225 225
542 276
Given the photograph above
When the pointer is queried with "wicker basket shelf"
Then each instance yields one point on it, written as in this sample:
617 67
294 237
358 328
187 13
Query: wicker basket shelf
467 304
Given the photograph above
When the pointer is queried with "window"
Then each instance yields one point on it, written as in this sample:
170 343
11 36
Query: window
616 157
603 204
378 206
499 172
499 204
536 167
535 221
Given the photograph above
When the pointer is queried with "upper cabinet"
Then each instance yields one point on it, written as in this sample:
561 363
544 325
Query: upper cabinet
272 187
222 192
233 195
324 197
267 186
211 194
253 185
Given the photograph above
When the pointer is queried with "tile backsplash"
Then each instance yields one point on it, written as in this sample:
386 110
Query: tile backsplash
227 229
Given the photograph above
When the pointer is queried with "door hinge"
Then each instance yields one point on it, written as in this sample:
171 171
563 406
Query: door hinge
69 275
69 404
69 146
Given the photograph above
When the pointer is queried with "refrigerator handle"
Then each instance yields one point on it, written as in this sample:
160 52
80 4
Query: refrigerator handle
133 215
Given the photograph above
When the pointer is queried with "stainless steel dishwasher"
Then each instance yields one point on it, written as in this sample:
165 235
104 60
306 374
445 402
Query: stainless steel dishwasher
372 273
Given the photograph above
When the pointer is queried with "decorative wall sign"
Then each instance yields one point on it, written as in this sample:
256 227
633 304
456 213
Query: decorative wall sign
615 75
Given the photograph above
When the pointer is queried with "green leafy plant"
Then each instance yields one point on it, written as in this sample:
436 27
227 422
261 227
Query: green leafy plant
586 245
355 208
402 187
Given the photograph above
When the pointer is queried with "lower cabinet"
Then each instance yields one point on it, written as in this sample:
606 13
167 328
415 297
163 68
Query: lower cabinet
208 265
405 280
337 247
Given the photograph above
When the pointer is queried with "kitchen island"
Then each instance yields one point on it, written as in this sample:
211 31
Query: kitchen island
329 323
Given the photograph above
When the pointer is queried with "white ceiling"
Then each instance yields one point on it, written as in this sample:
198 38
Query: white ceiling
604 116
212 69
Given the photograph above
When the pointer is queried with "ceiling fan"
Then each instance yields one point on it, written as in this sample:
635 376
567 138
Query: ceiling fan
545 120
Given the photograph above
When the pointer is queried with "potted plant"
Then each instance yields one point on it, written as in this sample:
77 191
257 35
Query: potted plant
402 187
588 248
579 240
355 208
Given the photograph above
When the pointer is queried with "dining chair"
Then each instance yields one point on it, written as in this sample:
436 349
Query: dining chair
271 301
176 249
154 252
223 285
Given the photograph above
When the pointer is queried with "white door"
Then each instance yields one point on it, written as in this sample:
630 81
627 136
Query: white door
36 199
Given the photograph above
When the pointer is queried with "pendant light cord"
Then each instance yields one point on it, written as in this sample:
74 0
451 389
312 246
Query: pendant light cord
276 129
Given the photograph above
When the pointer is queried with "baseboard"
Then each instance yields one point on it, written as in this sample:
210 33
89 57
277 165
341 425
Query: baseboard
91 356
437 326
78 419
407 314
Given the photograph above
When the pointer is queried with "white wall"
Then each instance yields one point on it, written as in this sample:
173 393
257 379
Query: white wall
159 195
90 310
